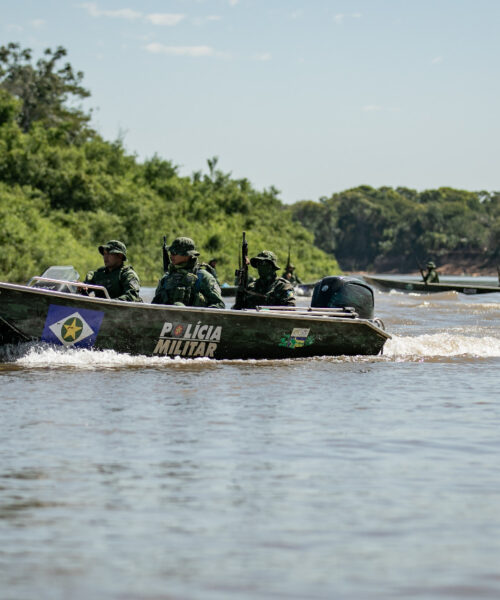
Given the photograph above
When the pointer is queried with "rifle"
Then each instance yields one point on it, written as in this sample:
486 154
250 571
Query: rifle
419 266
166 257
287 269
242 272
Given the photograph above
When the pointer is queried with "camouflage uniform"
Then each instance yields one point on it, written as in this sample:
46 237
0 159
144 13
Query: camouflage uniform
268 289
431 276
211 269
187 284
122 283
290 276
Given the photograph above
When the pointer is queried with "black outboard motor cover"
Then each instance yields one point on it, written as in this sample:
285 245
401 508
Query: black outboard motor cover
340 292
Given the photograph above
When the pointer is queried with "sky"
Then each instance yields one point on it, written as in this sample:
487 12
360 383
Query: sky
311 97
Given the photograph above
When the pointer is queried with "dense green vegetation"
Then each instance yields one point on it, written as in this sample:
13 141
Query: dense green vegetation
386 228
64 190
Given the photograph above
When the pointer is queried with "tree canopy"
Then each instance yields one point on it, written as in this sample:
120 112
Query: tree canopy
64 190
44 89
63 195
386 228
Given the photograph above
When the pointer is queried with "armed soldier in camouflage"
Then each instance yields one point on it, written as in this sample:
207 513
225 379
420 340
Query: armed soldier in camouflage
121 281
185 283
290 275
432 275
268 289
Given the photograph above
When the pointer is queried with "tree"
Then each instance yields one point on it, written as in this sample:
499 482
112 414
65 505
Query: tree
44 89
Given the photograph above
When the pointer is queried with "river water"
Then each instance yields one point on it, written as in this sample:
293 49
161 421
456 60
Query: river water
358 478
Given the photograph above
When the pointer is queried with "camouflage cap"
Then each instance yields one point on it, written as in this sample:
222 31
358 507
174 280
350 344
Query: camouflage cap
265 255
431 265
183 246
114 247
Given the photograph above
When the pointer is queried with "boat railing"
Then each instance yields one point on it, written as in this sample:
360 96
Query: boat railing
345 312
61 285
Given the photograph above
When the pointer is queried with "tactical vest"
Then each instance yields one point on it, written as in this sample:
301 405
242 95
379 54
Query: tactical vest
182 286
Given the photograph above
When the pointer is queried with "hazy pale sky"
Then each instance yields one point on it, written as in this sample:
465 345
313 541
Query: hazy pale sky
310 96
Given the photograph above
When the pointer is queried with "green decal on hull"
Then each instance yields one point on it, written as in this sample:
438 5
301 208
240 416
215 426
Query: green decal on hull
297 339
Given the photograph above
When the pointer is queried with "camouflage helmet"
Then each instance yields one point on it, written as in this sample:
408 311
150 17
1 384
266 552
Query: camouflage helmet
114 247
265 255
290 267
431 265
183 246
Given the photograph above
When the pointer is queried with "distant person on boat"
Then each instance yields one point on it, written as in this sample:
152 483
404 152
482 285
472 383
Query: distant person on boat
268 289
120 280
185 283
290 275
432 275
210 266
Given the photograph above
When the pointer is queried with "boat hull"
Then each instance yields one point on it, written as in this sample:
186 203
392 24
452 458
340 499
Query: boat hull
72 320
387 284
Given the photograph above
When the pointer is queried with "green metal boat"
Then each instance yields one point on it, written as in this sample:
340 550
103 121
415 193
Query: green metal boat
406 285
64 317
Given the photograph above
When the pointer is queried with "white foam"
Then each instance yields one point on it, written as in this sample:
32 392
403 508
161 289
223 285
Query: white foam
40 355
45 356
442 344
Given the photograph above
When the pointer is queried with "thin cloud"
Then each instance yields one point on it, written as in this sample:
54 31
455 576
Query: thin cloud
263 56
167 19
200 21
122 13
146 37
233 2
38 23
193 51
163 19
436 60
339 18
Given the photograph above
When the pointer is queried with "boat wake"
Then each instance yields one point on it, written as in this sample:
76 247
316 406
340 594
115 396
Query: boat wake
436 346
40 355
439 345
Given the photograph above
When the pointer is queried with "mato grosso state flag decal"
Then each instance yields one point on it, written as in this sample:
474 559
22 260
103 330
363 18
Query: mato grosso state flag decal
69 327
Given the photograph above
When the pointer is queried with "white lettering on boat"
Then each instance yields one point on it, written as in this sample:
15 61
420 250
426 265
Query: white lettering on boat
188 340
167 328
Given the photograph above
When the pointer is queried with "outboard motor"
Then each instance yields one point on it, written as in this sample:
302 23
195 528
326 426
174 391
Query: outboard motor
341 292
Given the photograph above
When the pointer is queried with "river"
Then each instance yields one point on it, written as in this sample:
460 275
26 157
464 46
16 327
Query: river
356 478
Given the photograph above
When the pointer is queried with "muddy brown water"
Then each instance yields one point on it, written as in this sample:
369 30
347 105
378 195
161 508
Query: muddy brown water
349 478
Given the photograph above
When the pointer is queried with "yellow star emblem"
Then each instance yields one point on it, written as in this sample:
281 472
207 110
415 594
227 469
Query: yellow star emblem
72 329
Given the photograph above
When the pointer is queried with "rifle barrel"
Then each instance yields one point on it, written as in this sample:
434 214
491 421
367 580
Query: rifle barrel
166 257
